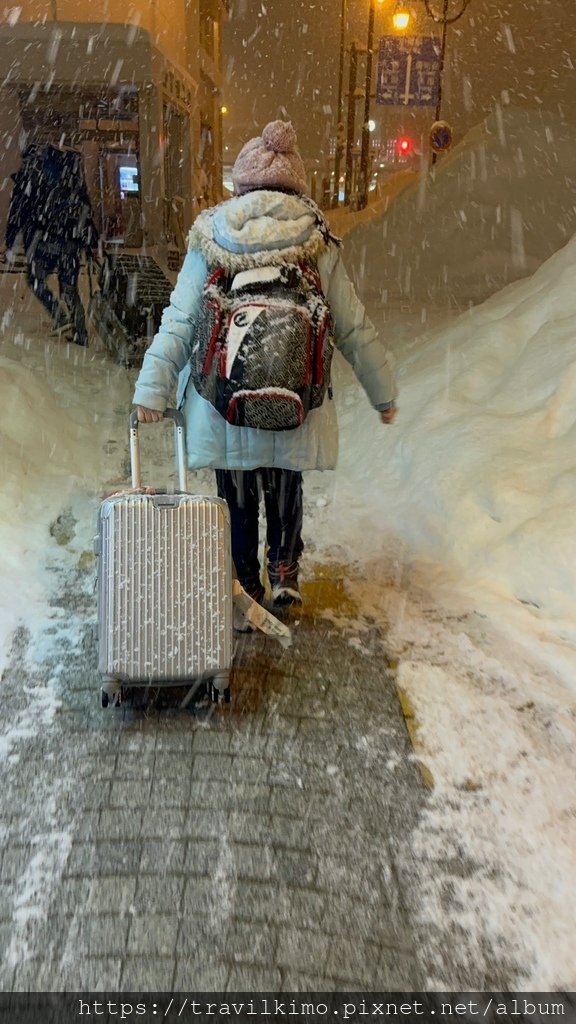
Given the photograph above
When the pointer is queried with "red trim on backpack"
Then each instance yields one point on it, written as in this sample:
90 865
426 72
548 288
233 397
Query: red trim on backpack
309 271
214 277
213 343
320 350
309 356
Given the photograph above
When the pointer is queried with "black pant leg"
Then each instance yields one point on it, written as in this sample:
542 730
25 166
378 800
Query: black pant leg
284 515
68 273
240 489
39 268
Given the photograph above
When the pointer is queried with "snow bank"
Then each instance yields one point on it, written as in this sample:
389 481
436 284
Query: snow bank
478 475
462 517
505 758
492 211
59 407
499 738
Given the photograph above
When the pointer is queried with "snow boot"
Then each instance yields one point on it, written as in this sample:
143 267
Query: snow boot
284 582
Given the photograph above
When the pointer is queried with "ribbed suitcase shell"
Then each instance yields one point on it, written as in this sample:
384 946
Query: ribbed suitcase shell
165 587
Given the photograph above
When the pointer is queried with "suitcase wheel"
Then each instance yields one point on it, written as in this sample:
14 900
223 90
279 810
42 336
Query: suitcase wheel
111 694
217 694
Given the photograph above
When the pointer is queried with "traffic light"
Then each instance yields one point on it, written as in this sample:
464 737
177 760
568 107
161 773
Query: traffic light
404 147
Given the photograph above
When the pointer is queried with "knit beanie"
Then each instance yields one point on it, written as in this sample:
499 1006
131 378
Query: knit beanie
272 161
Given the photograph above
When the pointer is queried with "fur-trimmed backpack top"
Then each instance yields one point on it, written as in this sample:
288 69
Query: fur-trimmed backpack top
263 344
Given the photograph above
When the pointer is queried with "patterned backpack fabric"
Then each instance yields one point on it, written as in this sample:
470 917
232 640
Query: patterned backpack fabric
263 345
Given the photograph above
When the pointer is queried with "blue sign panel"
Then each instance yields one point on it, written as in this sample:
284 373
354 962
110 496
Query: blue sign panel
408 71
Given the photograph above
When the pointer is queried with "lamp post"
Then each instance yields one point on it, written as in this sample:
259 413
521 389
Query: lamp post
353 96
365 150
339 125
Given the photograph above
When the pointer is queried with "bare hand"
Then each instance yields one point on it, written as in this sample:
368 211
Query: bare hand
148 415
388 415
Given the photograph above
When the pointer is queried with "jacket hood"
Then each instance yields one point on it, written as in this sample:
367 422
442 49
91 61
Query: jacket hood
260 227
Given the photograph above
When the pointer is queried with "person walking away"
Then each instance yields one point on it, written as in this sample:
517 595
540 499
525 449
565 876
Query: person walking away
51 208
259 266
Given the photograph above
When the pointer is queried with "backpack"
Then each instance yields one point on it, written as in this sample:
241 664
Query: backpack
263 345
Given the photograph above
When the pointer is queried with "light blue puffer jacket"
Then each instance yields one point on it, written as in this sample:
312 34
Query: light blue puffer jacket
259 229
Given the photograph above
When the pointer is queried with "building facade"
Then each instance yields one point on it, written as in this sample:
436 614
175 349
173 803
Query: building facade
136 87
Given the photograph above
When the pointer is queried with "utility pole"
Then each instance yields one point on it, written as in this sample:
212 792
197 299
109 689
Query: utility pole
365 152
351 125
442 58
441 67
339 126
443 19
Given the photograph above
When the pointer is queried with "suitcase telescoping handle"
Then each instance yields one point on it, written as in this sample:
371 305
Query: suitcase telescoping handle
179 423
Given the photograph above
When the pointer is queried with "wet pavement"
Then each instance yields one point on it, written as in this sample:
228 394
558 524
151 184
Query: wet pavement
258 846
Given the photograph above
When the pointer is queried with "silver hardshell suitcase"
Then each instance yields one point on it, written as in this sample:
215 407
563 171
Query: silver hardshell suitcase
164 585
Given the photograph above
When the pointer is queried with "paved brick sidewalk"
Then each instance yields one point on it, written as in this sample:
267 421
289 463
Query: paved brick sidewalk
245 848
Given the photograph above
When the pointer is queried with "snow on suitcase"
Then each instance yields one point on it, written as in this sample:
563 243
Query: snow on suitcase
164 585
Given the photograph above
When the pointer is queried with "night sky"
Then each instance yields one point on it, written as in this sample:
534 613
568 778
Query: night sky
281 60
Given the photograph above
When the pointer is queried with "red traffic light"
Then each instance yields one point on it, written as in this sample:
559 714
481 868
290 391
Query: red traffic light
404 146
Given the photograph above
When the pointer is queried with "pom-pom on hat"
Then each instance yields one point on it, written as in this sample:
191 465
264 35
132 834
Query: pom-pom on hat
272 161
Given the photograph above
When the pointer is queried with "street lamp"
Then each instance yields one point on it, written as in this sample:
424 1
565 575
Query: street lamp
400 19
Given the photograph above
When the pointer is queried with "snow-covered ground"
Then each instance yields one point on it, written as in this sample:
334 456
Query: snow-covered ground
461 517
457 526
57 443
